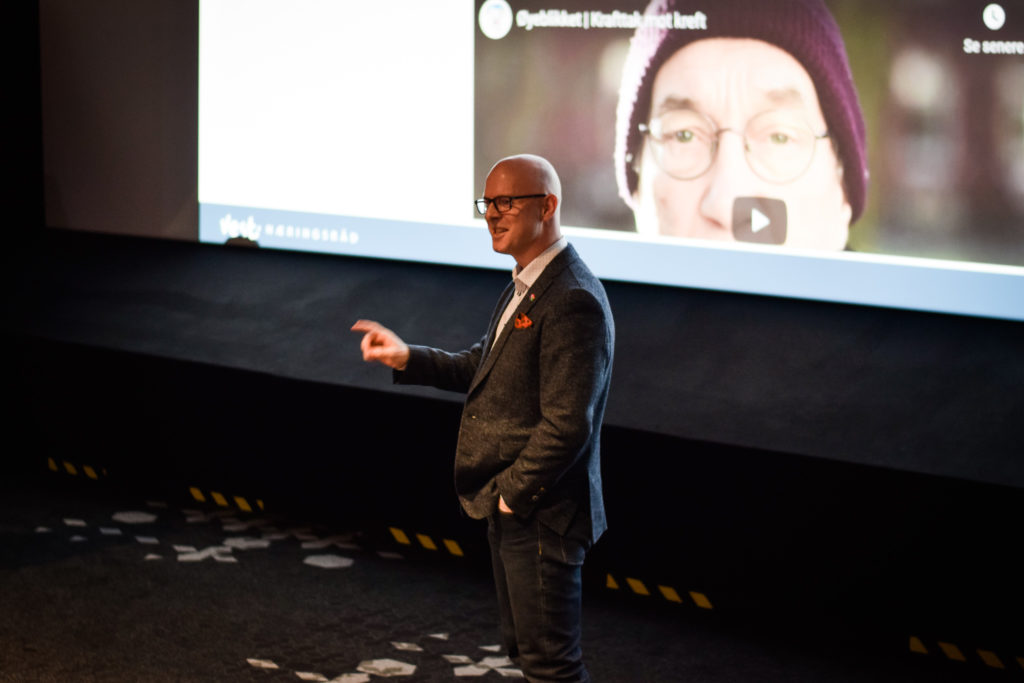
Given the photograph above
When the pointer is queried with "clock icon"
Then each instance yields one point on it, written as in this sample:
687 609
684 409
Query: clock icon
994 16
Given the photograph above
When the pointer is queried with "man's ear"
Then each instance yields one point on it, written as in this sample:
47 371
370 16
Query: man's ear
550 205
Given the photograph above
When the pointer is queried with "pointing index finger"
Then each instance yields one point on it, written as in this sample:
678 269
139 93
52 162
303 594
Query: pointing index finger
365 326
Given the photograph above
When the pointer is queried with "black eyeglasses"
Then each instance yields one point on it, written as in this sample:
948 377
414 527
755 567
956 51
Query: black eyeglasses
502 204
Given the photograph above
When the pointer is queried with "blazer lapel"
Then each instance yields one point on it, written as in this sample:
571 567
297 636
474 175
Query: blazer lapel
493 350
496 316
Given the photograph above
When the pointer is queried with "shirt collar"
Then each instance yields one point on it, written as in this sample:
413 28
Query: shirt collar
525 277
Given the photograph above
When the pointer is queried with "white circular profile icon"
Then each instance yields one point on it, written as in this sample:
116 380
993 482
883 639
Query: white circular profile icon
495 19
994 16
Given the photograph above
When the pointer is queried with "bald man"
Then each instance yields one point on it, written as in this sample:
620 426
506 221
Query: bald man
528 457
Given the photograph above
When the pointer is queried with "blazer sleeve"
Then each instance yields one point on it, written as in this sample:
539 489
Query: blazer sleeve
575 367
441 369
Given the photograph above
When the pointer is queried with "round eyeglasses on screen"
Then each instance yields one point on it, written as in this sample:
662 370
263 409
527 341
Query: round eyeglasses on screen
778 144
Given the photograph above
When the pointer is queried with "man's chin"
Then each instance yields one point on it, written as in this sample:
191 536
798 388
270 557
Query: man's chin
498 245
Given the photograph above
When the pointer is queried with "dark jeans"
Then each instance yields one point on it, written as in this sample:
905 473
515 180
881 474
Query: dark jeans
537 575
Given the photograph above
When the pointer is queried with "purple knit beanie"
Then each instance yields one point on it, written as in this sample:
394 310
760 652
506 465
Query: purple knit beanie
803 28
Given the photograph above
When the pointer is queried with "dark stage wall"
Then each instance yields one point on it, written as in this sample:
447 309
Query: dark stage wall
911 391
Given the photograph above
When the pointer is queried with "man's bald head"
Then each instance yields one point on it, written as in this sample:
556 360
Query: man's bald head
536 172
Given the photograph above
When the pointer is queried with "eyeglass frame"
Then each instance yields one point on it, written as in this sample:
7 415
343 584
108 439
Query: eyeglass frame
648 135
487 201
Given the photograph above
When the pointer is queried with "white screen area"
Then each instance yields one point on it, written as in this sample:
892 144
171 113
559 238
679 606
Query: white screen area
366 129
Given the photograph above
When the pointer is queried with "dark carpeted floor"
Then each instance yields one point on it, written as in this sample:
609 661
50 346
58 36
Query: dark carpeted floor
99 585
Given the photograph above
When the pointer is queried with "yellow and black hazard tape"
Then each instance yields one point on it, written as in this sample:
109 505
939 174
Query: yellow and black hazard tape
224 501
669 593
635 585
426 542
954 653
75 470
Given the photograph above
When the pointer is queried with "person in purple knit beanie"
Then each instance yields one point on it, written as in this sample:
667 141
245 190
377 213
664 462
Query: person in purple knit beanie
738 120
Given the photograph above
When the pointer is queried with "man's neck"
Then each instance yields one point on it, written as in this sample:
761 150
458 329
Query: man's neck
527 259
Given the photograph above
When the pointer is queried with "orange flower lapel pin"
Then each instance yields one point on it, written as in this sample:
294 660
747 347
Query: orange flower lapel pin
522 322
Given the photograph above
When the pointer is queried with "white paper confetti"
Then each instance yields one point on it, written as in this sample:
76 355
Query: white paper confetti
134 517
495 662
328 561
510 673
386 668
215 552
351 678
262 663
244 543
471 670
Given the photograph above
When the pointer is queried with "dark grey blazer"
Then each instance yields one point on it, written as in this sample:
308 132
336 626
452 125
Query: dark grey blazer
531 423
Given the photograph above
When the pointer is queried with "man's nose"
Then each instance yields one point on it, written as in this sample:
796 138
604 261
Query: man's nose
729 177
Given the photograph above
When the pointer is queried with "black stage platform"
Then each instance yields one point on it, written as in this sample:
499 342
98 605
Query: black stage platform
105 582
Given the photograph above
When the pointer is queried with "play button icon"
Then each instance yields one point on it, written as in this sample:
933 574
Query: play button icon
759 219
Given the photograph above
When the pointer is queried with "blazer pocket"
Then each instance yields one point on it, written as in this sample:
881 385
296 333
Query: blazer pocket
509 449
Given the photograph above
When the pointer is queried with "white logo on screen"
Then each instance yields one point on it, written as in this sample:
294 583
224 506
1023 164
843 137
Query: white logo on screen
495 19
994 16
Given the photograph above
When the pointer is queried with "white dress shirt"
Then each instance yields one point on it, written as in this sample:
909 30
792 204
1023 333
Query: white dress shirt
524 279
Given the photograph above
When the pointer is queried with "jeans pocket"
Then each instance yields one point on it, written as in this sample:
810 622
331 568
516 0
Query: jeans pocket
564 549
